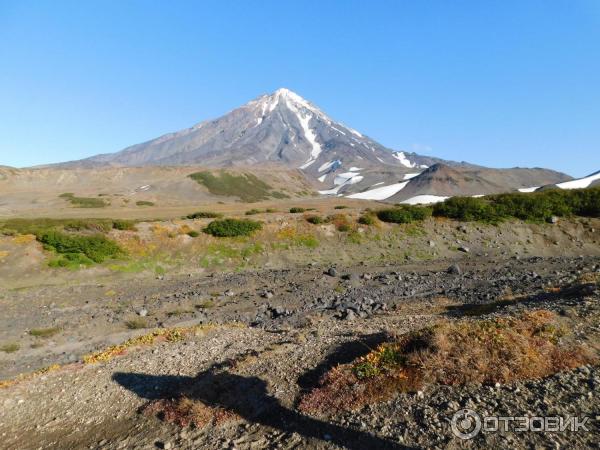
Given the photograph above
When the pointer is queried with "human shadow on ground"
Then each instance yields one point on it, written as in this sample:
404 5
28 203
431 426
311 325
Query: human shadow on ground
343 354
249 398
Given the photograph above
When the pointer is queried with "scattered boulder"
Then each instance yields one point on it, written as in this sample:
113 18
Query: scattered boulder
332 272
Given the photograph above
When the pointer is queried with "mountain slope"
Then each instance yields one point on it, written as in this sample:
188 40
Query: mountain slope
284 130
281 127
440 181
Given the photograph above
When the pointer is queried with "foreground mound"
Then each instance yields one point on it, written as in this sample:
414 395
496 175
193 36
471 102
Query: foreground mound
533 345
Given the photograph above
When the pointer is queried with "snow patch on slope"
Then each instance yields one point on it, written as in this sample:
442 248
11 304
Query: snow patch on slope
345 181
380 193
424 200
326 166
400 156
529 189
343 177
580 183
310 136
408 176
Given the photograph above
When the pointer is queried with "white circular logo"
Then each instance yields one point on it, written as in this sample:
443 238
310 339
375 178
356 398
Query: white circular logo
466 424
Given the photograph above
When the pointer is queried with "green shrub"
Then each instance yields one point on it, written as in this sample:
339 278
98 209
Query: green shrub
10 348
297 209
404 214
136 324
232 227
144 203
344 227
44 332
306 240
315 220
204 215
253 211
340 207
71 261
588 203
467 208
536 206
193 233
96 247
270 210
124 225
367 219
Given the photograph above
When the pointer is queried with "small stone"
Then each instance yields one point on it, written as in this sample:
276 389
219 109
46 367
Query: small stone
431 244
332 272
553 219
454 269
229 293
464 249
143 312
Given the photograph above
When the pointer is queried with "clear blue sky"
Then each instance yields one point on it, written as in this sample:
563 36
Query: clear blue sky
500 83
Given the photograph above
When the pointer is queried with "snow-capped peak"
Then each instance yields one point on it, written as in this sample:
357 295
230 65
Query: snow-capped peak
291 99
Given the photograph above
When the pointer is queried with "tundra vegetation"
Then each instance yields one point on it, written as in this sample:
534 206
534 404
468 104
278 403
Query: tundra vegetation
84 202
532 345
245 186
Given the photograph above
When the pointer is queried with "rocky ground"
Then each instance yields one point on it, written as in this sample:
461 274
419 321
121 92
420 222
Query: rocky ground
272 334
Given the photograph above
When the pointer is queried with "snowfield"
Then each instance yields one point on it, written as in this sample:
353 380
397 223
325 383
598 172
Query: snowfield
424 200
380 193
400 156
580 183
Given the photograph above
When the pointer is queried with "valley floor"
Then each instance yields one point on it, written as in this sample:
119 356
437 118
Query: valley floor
269 335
